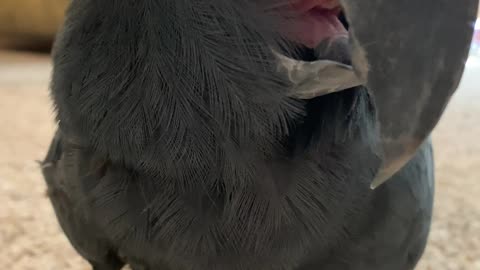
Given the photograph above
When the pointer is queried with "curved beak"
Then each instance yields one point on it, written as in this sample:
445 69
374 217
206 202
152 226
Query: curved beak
412 55
409 54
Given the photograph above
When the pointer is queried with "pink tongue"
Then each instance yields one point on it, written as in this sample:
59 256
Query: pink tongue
315 27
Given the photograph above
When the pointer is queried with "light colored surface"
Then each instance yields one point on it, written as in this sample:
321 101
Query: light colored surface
31 239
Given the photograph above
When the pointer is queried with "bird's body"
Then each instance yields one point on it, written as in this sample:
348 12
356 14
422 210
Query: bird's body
314 210
182 146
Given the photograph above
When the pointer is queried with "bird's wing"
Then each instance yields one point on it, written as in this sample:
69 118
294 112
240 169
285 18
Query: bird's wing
64 167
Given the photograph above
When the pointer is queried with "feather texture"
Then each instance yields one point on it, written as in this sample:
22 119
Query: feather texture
186 151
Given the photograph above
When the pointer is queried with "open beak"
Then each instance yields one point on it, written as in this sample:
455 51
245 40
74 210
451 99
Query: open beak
409 54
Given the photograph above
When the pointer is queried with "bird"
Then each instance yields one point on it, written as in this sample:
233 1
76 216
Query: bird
235 135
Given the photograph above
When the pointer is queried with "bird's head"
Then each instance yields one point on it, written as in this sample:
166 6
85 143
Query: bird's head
137 78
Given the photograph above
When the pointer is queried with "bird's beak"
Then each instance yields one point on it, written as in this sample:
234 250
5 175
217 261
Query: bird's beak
317 78
409 54
412 55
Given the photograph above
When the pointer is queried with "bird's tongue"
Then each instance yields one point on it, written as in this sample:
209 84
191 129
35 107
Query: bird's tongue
317 21
312 29
316 25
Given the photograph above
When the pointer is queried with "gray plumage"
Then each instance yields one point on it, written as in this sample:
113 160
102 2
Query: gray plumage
179 148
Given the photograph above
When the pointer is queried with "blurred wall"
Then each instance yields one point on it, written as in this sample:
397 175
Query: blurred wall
30 21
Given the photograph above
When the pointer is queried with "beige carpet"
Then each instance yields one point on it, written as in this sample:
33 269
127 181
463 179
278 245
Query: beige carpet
31 239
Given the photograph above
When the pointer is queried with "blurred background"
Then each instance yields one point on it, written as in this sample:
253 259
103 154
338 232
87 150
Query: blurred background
29 235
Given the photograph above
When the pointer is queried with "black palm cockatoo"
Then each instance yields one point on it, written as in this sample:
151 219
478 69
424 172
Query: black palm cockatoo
248 134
